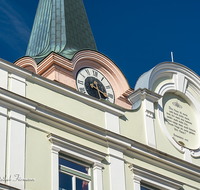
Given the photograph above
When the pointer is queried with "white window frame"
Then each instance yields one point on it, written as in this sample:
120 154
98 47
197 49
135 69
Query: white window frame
79 152
74 176
153 179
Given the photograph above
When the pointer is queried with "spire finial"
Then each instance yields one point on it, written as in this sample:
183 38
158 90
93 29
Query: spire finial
172 56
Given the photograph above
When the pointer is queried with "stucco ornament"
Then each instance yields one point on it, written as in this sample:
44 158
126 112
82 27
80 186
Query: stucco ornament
179 107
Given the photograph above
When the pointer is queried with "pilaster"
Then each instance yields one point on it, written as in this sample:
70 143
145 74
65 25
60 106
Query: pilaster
3 142
98 178
16 149
54 165
146 98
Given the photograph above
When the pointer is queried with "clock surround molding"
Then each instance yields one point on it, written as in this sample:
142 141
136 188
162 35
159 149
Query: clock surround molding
63 70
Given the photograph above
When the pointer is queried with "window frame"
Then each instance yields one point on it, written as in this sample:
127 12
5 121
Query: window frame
75 173
93 157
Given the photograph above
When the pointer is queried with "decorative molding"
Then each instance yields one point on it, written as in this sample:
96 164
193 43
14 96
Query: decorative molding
136 182
25 62
54 59
97 165
15 101
142 94
165 161
154 179
180 82
75 149
168 87
148 98
55 150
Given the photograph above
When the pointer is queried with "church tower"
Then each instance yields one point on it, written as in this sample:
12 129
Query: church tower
62 48
60 26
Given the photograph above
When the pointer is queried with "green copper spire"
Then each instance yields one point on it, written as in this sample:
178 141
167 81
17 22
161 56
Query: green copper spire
61 26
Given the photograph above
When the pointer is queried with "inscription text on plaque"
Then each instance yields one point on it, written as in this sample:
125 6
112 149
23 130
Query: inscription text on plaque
180 121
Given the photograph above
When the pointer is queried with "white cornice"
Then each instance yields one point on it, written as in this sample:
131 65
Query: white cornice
143 94
15 101
14 69
77 149
165 161
155 179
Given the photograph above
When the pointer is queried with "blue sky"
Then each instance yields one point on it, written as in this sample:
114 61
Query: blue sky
135 34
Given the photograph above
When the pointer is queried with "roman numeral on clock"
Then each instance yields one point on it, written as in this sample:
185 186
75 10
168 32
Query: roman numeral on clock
82 75
110 95
87 71
95 73
80 82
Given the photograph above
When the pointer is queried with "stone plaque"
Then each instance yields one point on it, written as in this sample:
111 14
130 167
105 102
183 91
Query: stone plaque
180 121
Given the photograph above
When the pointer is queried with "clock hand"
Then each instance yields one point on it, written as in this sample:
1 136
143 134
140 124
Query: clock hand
104 93
96 87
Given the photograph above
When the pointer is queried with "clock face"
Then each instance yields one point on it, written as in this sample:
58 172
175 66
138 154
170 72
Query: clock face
92 82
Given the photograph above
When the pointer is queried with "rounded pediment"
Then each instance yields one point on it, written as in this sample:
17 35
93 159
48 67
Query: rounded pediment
179 108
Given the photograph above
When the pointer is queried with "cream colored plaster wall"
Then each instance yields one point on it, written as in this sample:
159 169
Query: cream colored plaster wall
38 160
106 174
132 125
186 187
69 136
165 170
65 104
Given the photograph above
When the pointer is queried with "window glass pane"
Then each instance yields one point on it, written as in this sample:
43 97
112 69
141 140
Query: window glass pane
73 165
65 181
81 184
143 188
147 187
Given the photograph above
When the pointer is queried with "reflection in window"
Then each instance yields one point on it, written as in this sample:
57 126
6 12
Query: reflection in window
65 181
73 176
73 165
81 184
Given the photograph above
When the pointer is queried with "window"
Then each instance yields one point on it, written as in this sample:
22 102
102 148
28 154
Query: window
147 187
73 175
